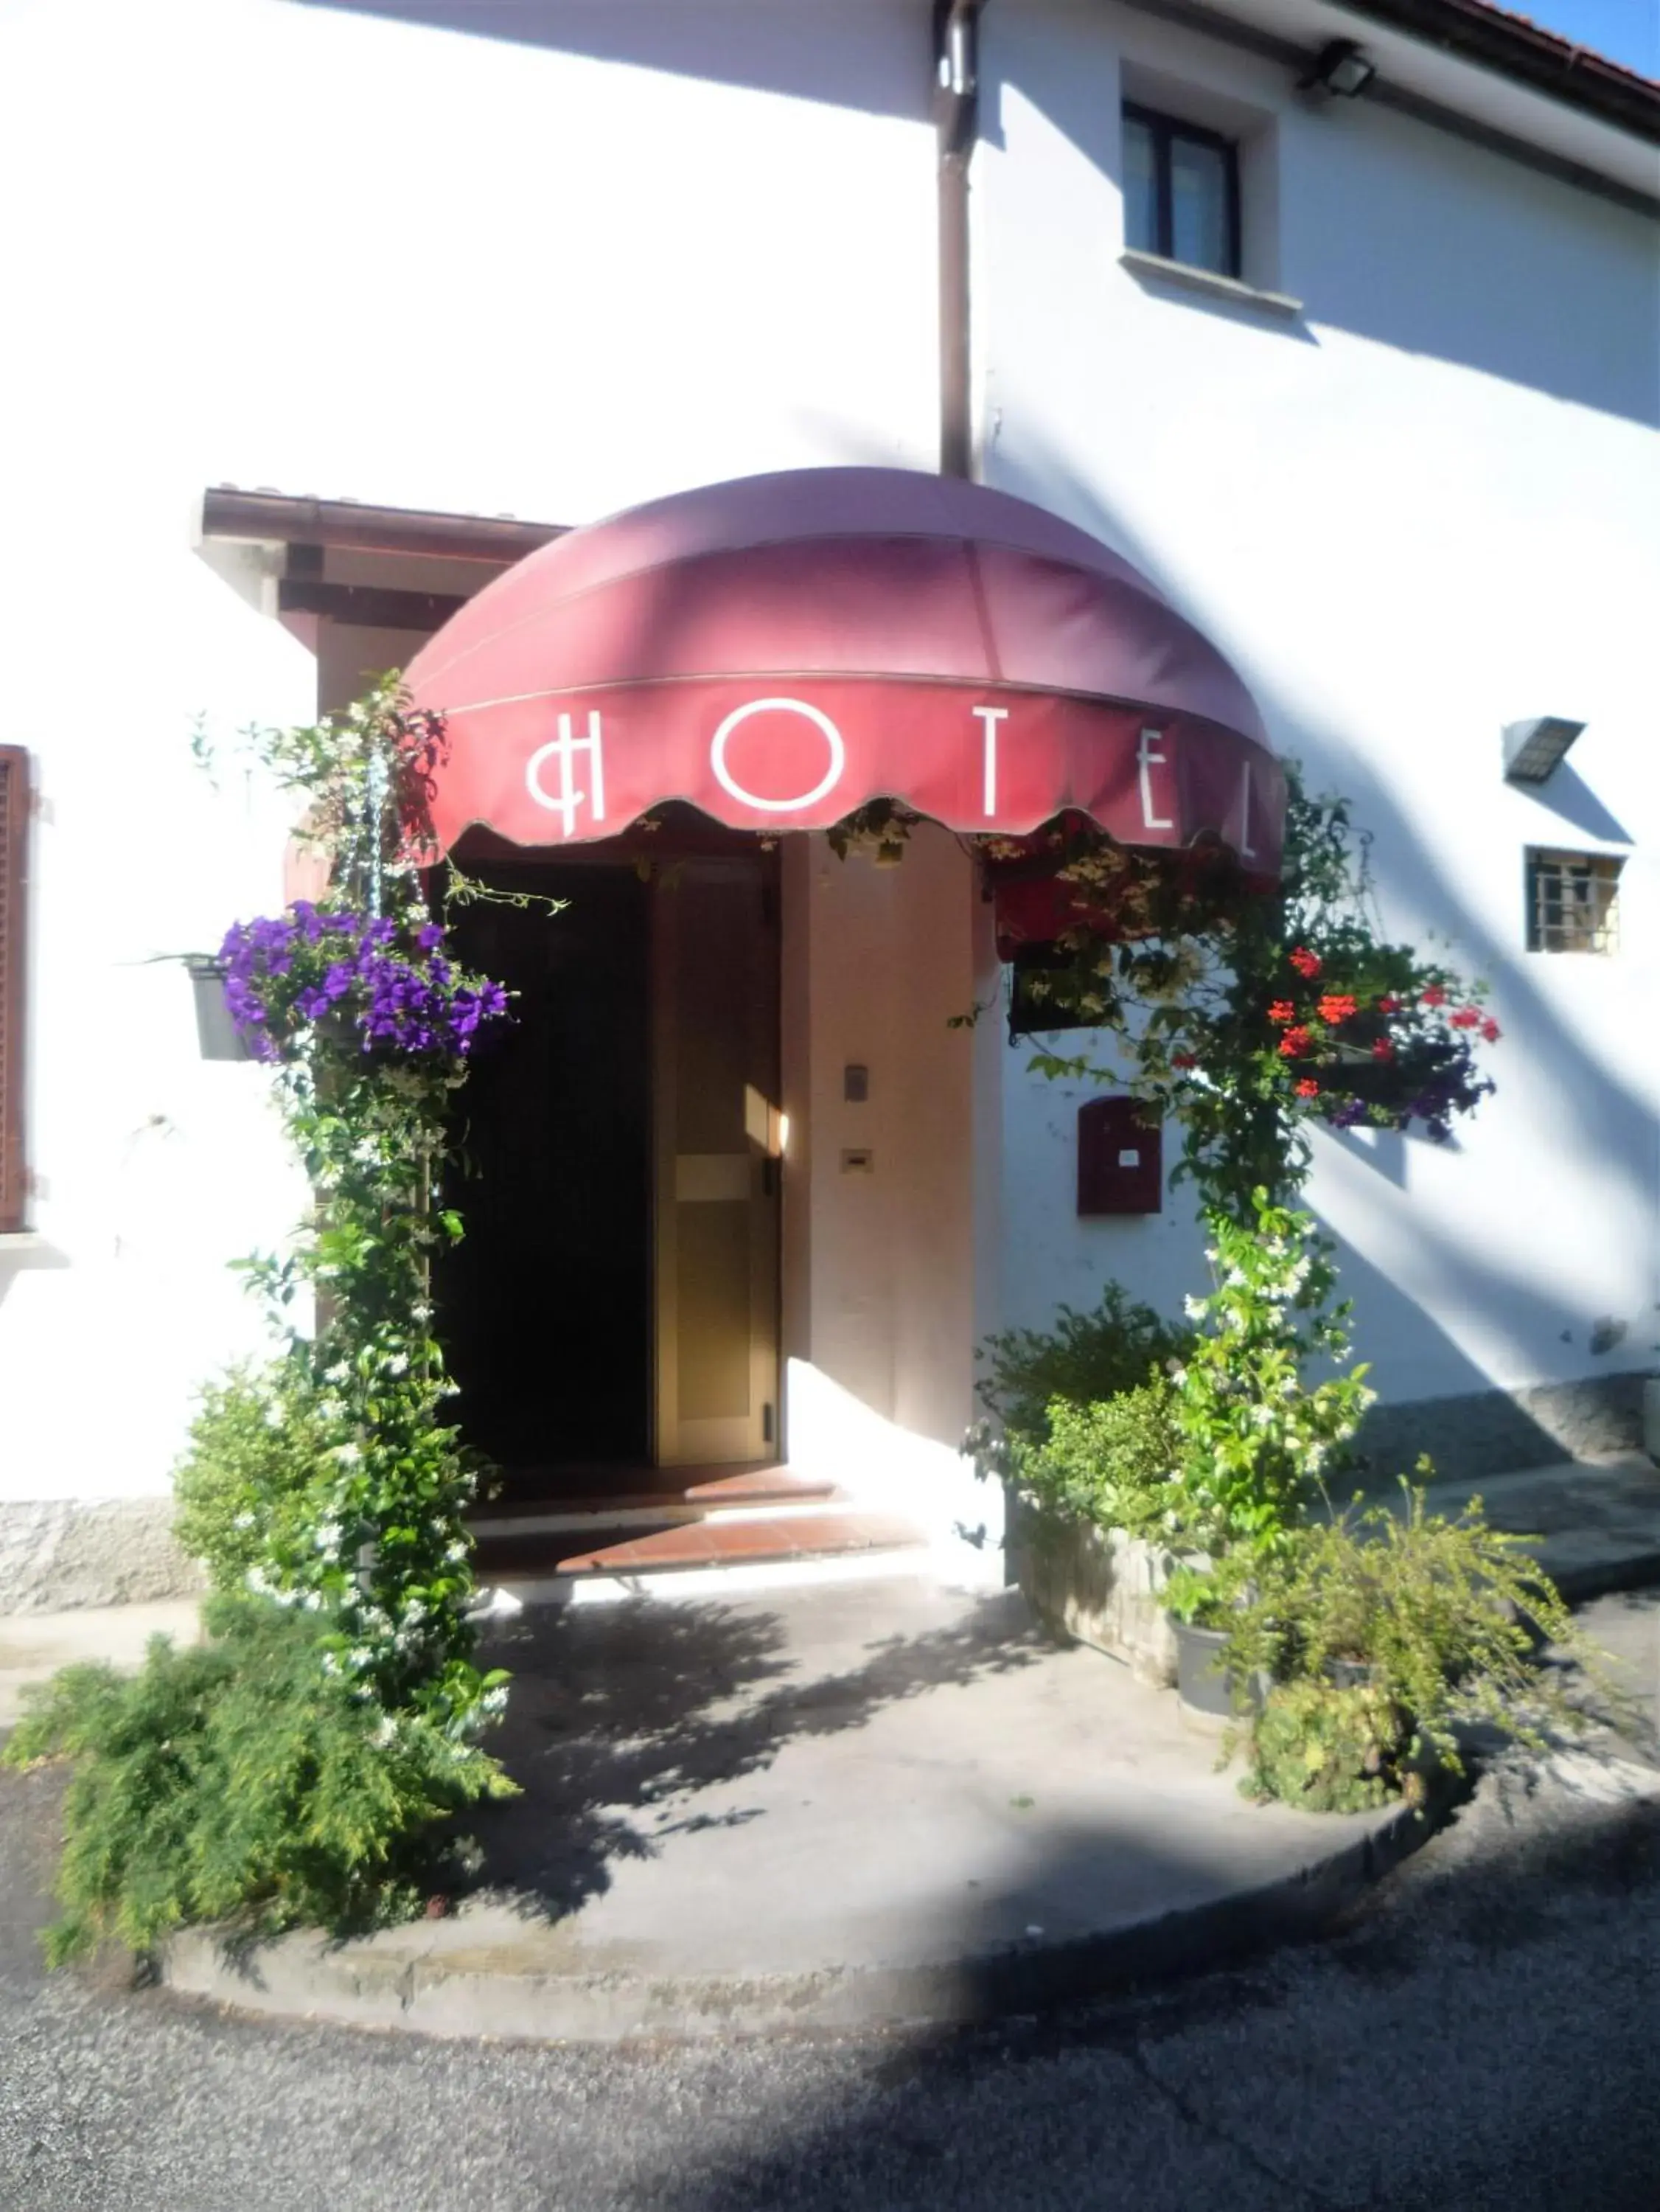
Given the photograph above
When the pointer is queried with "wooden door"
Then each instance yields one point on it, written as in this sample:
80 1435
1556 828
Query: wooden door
717 1142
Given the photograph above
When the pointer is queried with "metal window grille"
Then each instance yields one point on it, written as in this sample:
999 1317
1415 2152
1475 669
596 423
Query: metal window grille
1573 901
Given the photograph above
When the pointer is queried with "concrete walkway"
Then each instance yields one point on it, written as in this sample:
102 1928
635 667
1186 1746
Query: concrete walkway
868 1803
850 1806
35 1645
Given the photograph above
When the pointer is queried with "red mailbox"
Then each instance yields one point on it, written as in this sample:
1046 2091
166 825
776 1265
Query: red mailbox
1120 1158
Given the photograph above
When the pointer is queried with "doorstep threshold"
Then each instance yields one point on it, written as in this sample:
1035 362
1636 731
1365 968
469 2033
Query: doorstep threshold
762 1539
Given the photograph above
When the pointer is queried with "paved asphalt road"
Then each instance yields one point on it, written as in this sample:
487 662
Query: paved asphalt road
1485 2033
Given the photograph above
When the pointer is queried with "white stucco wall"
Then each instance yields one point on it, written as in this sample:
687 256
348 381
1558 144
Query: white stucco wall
1427 507
566 259
556 262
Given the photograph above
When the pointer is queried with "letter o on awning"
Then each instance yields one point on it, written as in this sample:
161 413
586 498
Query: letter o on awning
778 651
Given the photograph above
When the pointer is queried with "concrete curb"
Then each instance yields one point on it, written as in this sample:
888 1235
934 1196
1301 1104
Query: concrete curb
498 1993
1637 1571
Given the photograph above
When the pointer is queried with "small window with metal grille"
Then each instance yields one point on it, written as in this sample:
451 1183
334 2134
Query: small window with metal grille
1573 901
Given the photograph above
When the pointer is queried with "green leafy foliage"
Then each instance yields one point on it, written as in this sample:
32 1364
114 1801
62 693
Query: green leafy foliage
1111 1462
1326 1749
362 1517
1446 1612
299 1764
1082 1358
1257 1439
1248 1015
257 1445
244 1780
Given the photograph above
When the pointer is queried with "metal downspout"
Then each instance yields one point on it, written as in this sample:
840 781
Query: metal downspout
956 96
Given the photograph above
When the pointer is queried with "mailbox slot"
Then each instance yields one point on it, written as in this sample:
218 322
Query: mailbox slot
1120 1158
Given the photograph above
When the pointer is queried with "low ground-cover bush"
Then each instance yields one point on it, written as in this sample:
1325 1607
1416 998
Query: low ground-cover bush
239 1781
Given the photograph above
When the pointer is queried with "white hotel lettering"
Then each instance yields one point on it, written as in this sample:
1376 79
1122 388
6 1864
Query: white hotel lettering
988 718
1146 761
565 748
836 750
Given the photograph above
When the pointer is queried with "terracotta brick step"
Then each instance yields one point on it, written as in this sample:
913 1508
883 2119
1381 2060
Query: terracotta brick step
695 1544
695 1491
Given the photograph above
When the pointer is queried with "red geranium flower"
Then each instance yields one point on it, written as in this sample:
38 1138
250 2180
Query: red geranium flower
1282 1010
1383 1049
1434 996
1304 962
1183 1060
1336 1006
1491 1030
1308 1088
1294 1042
1388 1005
1467 1018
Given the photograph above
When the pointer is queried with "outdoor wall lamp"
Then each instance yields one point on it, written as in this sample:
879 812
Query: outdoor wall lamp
1341 69
1534 749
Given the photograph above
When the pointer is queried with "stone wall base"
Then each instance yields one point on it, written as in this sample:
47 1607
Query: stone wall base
1503 1431
59 1553
1104 1590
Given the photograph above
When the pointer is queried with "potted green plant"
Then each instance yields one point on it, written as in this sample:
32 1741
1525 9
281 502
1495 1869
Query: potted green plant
1079 1434
1385 1635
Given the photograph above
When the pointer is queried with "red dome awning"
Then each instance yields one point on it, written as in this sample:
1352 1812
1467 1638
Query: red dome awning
780 650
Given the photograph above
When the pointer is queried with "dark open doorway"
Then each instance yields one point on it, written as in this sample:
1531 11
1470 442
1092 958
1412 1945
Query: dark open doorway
545 1307
611 1316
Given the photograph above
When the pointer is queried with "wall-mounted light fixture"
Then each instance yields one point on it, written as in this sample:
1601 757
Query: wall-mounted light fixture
1536 748
1341 69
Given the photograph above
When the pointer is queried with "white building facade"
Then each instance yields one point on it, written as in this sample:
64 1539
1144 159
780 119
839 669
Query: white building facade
1380 420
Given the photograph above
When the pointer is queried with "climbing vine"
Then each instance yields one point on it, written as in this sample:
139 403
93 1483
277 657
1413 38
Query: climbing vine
307 1761
369 1022
1249 1013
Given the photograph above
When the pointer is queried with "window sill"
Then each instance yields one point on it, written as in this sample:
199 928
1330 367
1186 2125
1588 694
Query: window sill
1153 266
21 1240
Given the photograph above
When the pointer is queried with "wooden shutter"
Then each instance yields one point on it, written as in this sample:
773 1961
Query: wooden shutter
13 848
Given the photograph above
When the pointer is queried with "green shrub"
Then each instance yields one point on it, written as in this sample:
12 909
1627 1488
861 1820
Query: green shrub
257 1445
1083 1358
1446 1614
240 1781
1327 1750
1109 1462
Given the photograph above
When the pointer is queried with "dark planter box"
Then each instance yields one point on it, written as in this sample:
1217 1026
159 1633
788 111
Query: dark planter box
216 1033
1201 1683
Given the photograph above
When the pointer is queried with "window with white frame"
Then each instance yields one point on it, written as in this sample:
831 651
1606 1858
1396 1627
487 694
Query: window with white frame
1573 901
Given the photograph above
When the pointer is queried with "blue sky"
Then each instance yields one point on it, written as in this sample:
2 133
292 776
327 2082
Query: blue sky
1627 31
